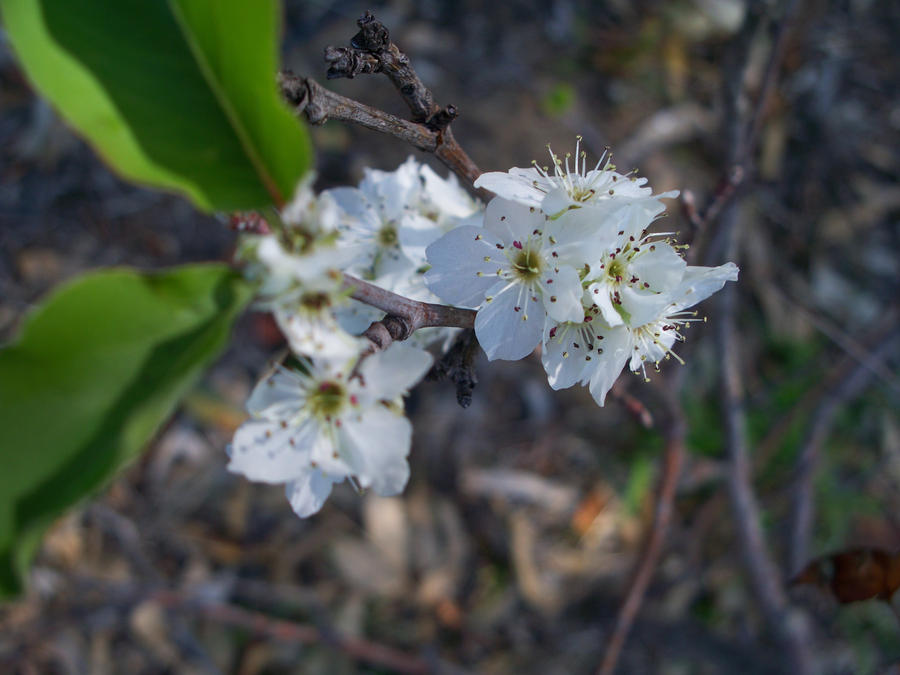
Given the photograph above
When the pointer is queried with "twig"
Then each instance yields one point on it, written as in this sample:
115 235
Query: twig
741 137
405 316
672 461
632 404
820 423
204 602
765 579
320 105
372 51
289 631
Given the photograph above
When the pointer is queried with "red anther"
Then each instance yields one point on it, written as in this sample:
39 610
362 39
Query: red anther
517 244
553 332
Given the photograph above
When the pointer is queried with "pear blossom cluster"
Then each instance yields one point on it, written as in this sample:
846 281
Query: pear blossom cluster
562 258
333 411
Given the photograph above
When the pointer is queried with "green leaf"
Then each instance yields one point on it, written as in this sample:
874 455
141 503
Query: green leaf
176 94
95 372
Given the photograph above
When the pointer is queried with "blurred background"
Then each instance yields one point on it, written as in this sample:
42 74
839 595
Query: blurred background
514 545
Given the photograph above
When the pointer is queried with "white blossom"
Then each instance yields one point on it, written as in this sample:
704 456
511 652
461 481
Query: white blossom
317 425
518 269
393 216
633 278
594 353
567 187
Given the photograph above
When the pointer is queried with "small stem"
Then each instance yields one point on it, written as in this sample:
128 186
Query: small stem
674 434
404 316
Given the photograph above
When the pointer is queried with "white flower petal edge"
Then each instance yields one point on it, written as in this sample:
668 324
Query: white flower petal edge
308 493
609 366
268 453
396 370
379 443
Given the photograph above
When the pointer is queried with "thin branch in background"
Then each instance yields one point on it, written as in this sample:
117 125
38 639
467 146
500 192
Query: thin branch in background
632 404
740 143
858 354
821 421
206 601
673 458
291 632
741 137
790 628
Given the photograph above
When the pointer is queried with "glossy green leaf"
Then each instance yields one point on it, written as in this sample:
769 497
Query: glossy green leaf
98 367
176 94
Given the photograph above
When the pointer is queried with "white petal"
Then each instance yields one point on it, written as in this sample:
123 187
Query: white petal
607 368
278 396
563 361
389 374
327 451
562 294
392 191
699 283
308 492
512 221
556 202
516 186
354 204
456 261
600 292
378 444
510 325
583 235
263 451
318 334
390 265
355 316
634 215
416 233
659 265
446 194
641 307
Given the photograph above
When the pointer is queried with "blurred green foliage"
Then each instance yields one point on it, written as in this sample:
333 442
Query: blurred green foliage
178 95
97 369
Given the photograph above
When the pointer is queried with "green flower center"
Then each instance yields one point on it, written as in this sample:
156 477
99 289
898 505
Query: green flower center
527 264
296 239
616 270
328 400
387 235
315 301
